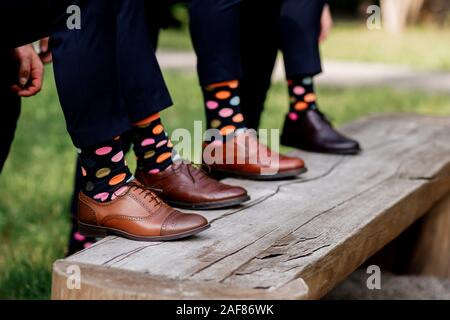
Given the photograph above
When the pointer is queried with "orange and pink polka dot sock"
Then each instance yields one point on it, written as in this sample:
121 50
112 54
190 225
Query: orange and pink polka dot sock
77 241
104 170
302 96
152 147
222 105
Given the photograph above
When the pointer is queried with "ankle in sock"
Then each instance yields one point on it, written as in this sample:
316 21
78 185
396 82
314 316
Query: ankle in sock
104 170
152 147
302 96
222 105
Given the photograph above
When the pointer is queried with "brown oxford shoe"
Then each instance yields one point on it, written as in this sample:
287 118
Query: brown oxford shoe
183 185
243 156
138 214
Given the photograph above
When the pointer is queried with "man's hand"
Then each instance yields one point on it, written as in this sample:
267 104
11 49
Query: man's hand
326 23
31 72
45 53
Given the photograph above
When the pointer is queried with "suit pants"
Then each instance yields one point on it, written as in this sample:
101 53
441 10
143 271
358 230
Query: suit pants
10 104
106 74
240 39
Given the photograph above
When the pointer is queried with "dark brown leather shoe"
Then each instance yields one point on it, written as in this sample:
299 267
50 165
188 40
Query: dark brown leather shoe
137 214
313 132
183 185
245 157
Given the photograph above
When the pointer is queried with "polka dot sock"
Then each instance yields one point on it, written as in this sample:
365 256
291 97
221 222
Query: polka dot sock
152 147
78 242
222 105
104 170
302 96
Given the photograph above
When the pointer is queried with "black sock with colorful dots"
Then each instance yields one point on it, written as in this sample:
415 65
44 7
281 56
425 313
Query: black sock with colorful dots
222 105
104 169
152 147
302 96
77 241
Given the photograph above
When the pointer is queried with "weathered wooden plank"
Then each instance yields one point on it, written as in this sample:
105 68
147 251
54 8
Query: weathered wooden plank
112 256
102 283
323 256
431 254
318 228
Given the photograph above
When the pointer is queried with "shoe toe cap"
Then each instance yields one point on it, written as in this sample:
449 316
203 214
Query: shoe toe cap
180 223
232 192
348 145
291 163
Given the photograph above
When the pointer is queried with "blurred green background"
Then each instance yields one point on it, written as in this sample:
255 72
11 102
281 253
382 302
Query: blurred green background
36 183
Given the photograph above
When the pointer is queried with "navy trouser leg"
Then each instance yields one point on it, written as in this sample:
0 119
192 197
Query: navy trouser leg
10 104
107 76
290 25
127 136
214 26
25 21
299 34
86 74
141 80
259 49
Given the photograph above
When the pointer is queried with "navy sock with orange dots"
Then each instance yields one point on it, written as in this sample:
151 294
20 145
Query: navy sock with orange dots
104 169
302 96
222 105
152 147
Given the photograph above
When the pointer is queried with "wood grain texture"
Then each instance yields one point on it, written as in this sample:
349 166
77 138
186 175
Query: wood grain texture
296 238
431 255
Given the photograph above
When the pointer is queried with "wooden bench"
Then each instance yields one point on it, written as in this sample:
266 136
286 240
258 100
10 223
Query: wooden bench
295 239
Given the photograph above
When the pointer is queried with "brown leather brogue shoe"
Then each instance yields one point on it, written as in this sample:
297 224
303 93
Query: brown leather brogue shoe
244 156
183 185
138 214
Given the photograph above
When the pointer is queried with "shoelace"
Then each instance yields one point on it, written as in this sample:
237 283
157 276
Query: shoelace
198 168
325 117
146 191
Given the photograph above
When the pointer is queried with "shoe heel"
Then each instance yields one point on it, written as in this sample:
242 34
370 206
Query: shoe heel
91 231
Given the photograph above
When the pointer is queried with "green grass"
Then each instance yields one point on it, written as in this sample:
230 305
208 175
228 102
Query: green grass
37 179
177 39
418 47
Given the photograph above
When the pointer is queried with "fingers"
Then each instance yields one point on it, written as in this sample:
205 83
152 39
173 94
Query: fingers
37 74
45 54
323 35
34 88
46 58
34 84
24 68
43 44
326 23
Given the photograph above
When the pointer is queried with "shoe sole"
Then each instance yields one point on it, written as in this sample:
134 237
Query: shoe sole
209 205
101 232
349 152
259 177
336 152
